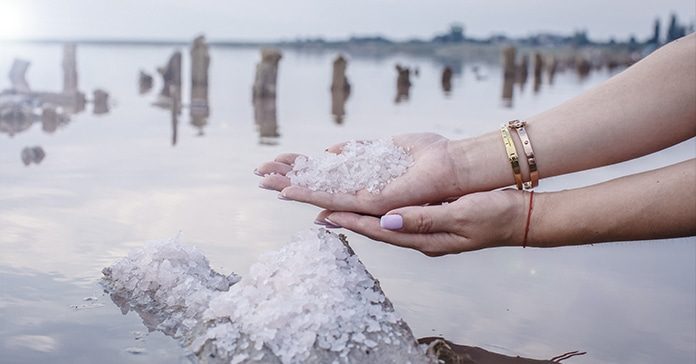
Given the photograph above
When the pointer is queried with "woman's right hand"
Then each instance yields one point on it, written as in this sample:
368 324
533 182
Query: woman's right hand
435 176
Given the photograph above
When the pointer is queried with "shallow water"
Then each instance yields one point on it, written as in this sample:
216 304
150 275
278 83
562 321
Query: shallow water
110 182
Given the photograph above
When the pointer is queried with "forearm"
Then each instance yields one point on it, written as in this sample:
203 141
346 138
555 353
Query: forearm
646 108
651 205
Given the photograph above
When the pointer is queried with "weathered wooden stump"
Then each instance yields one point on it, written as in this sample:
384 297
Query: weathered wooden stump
18 75
538 70
69 64
266 74
171 77
446 80
403 83
509 67
340 89
144 82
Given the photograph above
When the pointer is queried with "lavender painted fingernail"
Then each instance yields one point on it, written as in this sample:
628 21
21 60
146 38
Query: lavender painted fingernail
320 222
261 185
282 197
391 222
331 225
256 172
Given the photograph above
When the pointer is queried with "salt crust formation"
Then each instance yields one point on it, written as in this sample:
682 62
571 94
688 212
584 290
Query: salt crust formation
368 165
312 301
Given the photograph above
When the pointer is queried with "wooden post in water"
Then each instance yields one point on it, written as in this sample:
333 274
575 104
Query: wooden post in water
523 71
17 75
582 66
171 76
509 62
552 68
264 96
447 80
200 62
340 89
267 73
509 75
70 69
538 70
403 84
100 101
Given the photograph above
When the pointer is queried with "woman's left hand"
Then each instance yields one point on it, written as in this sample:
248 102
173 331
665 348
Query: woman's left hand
476 221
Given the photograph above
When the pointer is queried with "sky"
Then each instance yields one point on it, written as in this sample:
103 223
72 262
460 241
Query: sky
332 19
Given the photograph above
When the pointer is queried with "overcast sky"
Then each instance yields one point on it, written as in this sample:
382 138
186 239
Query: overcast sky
288 19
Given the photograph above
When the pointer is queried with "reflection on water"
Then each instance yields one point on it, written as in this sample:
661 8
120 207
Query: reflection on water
21 107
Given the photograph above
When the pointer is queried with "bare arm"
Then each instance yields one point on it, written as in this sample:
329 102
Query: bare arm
650 205
648 107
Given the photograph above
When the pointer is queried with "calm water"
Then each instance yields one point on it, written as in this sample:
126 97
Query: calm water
111 182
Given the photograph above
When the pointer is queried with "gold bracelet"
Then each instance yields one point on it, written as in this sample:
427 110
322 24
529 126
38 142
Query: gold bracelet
528 151
512 155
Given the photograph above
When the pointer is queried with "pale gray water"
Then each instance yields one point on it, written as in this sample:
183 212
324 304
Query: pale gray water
110 182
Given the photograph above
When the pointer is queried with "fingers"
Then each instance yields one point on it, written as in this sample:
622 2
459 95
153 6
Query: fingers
434 244
330 201
275 182
336 148
287 158
369 226
420 219
273 167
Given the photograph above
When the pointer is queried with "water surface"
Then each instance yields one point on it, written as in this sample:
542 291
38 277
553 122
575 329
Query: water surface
110 182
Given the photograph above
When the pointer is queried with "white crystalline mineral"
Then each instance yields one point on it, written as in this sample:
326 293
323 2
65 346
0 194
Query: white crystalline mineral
310 302
361 165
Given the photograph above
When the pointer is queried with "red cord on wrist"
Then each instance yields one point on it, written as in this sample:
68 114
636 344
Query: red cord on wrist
529 218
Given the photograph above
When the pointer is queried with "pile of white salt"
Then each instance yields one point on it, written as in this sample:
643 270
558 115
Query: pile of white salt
312 301
361 165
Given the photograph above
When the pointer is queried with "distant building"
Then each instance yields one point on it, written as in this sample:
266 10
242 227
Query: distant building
455 35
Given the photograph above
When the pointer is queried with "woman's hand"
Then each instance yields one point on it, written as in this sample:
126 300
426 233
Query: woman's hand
436 175
475 221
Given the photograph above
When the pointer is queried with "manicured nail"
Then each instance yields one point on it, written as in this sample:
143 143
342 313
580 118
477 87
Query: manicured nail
256 172
391 222
320 222
282 197
331 225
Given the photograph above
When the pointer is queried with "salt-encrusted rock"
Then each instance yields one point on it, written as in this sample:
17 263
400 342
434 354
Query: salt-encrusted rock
312 301
361 165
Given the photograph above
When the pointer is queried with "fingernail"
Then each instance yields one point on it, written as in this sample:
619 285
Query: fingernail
320 222
282 197
391 222
331 225
256 172
261 185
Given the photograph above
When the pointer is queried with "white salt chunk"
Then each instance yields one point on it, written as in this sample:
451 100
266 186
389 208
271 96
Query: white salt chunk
312 301
361 165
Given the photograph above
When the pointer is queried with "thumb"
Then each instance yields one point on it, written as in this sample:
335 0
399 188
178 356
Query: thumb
418 219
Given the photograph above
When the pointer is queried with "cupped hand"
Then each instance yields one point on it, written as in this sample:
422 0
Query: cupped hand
434 177
476 221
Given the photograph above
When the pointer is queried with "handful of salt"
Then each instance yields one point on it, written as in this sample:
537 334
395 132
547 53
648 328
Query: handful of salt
361 165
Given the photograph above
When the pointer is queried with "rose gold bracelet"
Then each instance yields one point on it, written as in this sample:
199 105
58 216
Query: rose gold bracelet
518 126
512 155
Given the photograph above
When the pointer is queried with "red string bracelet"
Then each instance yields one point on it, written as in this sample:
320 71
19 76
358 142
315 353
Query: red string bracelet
529 218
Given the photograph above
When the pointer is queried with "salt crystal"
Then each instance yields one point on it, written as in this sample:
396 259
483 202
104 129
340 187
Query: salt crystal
361 165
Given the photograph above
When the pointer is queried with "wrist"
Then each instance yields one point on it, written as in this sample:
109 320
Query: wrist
480 164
